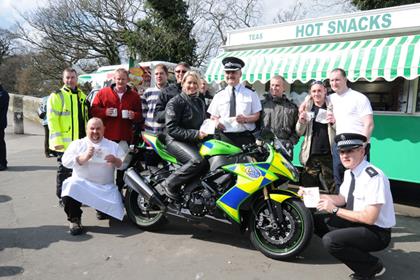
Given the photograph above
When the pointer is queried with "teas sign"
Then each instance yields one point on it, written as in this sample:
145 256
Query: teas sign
342 26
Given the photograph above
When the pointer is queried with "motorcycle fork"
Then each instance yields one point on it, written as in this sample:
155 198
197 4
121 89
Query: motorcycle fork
275 209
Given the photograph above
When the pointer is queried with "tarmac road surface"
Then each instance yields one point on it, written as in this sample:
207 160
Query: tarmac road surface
35 243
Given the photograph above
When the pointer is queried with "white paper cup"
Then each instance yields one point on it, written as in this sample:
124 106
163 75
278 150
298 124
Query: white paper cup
124 114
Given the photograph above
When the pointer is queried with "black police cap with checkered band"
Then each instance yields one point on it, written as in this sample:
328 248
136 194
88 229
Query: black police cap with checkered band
232 63
349 141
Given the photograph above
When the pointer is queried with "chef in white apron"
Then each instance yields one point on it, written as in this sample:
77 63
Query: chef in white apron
93 160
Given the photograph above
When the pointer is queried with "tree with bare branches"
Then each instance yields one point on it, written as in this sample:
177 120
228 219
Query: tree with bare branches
212 19
75 30
6 43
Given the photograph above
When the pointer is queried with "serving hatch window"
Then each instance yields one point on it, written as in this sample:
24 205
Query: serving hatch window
384 95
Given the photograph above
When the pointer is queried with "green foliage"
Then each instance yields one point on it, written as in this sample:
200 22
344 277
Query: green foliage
165 33
376 4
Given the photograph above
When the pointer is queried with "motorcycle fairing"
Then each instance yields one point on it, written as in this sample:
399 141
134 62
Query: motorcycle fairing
280 197
251 178
215 147
280 165
159 148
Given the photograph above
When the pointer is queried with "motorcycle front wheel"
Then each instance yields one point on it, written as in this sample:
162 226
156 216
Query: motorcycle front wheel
141 212
287 240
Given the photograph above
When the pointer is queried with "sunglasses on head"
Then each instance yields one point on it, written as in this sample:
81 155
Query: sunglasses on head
180 71
316 82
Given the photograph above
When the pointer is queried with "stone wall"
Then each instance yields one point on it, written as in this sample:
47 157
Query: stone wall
30 106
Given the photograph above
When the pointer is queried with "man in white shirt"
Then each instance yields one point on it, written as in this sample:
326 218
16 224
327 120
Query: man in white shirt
235 109
93 160
352 113
362 214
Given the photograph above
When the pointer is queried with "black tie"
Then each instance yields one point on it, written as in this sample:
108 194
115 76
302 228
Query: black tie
350 196
232 109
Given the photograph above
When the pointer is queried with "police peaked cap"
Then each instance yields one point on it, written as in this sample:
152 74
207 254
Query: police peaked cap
349 141
231 63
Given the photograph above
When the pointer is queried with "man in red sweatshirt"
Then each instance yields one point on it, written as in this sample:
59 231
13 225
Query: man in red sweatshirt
119 107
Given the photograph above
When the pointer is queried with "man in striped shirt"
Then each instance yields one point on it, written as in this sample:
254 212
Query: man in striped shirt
148 103
150 98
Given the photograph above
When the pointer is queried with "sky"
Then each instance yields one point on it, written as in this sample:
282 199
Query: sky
9 9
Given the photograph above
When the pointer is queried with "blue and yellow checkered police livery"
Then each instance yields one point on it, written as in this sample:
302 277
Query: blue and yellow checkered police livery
251 178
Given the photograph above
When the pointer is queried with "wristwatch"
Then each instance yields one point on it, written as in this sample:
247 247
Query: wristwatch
334 211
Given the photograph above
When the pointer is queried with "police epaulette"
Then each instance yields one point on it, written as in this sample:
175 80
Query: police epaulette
371 171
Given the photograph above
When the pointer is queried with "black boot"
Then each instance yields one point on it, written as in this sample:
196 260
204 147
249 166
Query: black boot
171 191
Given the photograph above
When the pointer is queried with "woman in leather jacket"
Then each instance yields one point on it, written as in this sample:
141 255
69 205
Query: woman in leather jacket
184 115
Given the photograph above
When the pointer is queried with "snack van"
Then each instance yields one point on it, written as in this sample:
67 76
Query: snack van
140 75
379 50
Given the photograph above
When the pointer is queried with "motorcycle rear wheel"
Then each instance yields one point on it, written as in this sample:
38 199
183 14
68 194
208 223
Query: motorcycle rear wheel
141 212
290 238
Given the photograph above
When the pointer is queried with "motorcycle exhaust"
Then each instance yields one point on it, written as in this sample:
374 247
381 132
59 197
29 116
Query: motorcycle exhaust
137 183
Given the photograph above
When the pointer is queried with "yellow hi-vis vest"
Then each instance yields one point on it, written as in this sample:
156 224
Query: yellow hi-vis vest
63 117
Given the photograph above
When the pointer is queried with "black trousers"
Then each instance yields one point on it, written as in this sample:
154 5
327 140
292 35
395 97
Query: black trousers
193 163
351 242
72 208
46 140
3 161
236 138
62 174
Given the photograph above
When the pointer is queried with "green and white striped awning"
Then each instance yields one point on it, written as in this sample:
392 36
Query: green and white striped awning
387 58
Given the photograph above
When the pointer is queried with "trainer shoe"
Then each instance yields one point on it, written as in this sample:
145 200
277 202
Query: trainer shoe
75 226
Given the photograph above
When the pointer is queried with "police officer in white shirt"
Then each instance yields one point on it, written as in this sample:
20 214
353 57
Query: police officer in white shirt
235 108
362 214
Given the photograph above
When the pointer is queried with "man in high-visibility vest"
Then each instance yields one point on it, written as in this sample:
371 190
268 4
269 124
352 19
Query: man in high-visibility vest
67 114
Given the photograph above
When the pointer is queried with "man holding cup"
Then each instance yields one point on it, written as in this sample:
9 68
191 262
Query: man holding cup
316 154
119 107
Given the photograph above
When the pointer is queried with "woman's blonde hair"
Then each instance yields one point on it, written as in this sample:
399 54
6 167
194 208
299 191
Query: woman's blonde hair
196 76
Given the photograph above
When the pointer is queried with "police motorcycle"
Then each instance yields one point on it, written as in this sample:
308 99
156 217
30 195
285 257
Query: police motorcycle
243 188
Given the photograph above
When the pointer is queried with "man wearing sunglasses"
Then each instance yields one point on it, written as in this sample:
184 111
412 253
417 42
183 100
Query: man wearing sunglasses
170 91
361 216
316 153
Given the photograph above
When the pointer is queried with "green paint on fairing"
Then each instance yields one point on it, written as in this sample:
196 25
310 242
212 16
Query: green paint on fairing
159 148
215 147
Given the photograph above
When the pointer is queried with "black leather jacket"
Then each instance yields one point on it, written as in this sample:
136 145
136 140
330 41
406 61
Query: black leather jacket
280 115
164 96
184 116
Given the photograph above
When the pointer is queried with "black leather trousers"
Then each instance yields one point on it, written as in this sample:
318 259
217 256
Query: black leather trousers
193 164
